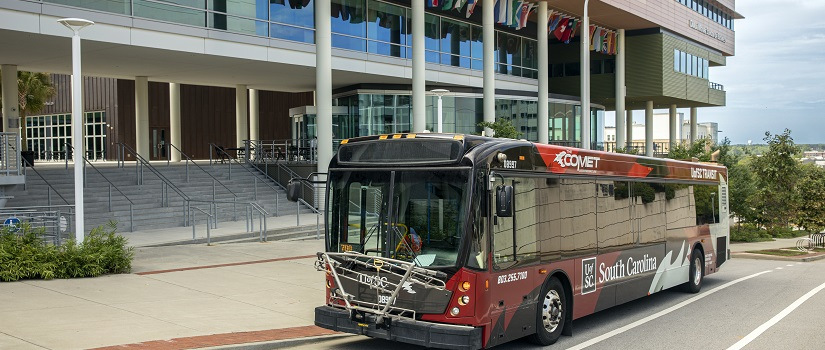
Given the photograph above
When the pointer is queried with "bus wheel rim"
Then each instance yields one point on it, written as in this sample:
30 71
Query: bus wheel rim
552 311
697 276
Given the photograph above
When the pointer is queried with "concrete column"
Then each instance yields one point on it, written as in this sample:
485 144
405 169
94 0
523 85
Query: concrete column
489 72
142 117
620 90
174 121
649 128
11 113
241 124
254 115
674 138
323 83
629 130
693 126
585 77
419 67
544 75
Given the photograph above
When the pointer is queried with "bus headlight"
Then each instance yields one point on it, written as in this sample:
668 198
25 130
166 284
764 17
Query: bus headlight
464 300
454 311
465 286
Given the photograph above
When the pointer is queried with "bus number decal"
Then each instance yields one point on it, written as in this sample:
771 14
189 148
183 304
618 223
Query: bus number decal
588 275
511 277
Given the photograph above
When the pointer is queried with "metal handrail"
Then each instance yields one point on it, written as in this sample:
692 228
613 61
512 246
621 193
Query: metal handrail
140 161
233 159
111 184
208 229
189 159
10 161
51 187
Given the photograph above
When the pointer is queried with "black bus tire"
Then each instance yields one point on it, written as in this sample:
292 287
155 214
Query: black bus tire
551 313
697 272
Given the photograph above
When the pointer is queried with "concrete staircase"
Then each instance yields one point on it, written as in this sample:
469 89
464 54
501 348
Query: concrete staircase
148 211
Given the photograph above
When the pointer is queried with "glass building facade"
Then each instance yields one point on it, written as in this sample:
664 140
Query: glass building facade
372 26
382 113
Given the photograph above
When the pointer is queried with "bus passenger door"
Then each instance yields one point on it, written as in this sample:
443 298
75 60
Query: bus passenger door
512 283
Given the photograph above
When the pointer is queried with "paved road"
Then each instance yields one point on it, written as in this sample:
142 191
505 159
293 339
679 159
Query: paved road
733 306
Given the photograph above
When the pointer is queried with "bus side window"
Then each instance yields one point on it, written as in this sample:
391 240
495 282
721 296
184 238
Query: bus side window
515 237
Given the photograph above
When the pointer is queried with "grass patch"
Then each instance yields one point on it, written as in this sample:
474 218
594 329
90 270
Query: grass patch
25 255
779 252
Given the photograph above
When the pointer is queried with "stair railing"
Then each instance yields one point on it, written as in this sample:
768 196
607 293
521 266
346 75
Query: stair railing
111 184
214 179
221 153
49 189
140 163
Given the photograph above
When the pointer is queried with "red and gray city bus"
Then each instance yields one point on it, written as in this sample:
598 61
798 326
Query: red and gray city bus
467 242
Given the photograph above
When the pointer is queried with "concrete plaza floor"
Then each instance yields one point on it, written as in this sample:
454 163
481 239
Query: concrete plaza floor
183 297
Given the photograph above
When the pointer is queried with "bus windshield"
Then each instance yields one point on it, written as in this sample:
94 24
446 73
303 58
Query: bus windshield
410 215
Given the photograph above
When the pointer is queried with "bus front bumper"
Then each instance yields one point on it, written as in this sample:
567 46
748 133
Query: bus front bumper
427 334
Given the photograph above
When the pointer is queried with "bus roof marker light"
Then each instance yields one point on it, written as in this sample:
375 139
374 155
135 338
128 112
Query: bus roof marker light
410 136
382 137
344 141
458 137
396 136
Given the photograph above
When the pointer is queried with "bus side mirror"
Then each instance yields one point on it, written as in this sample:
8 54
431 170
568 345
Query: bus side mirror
504 201
293 190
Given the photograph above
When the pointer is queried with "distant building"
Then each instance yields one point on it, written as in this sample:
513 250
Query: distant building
814 157
661 134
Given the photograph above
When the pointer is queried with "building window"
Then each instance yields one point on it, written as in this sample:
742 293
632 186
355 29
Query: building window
710 11
47 136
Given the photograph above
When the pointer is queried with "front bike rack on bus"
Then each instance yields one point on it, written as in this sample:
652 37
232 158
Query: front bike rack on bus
344 266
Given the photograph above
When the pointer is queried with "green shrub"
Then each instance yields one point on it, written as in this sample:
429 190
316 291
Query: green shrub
24 255
749 233
787 232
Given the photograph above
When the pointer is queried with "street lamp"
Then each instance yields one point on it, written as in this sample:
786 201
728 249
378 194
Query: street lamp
439 93
76 24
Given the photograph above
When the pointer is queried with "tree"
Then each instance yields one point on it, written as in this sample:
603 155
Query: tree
502 128
742 188
33 90
702 150
776 174
811 187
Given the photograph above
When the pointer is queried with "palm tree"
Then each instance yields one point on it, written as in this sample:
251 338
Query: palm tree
33 90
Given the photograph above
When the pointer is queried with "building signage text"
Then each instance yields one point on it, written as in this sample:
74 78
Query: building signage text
704 29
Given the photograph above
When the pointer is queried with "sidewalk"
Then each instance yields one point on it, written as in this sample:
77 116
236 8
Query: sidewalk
177 235
177 297
184 297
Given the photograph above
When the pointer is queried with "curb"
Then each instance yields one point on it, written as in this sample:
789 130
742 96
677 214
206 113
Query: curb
756 256
279 344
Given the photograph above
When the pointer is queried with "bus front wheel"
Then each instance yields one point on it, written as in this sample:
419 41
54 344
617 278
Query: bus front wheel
697 272
551 313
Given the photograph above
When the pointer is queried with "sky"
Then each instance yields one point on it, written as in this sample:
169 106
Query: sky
776 80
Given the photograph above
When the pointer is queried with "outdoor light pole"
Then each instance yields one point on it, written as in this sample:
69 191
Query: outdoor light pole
439 93
585 77
76 24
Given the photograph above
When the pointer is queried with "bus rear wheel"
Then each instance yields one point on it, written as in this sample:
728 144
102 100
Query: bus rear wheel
697 272
551 313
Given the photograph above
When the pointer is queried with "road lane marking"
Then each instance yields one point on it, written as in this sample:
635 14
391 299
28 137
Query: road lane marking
789 265
661 313
761 329
779 268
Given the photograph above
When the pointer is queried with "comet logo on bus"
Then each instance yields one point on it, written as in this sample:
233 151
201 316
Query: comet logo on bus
568 159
